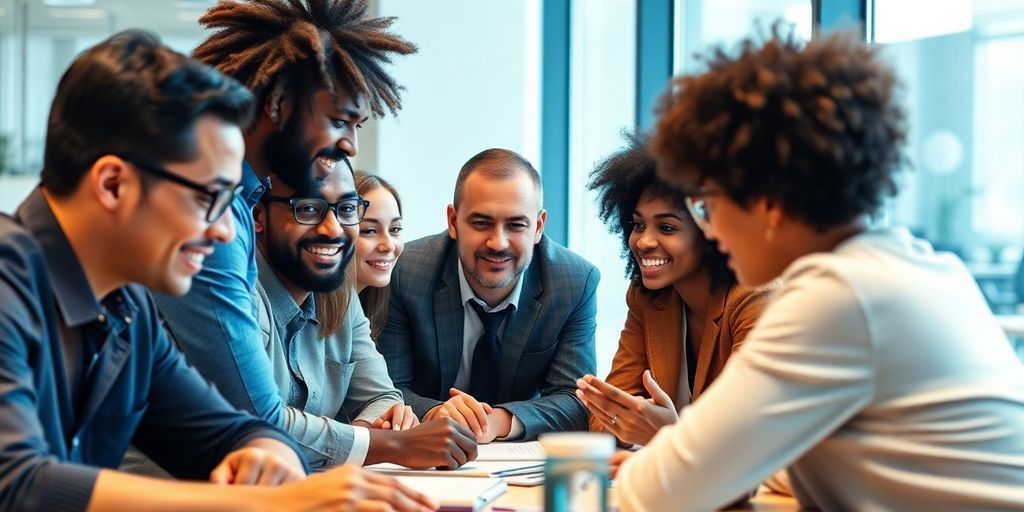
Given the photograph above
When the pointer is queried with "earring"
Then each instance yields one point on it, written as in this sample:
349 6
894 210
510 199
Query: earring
273 114
769 234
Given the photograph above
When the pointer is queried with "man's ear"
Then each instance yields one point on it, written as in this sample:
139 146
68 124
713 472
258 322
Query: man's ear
109 181
259 217
452 217
542 217
277 108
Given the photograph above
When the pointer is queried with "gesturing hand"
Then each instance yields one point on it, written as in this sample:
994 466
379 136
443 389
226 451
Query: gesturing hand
632 419
255 466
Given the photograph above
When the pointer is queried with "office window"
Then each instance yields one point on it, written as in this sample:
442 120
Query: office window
964 92
38 40
703 23
602 92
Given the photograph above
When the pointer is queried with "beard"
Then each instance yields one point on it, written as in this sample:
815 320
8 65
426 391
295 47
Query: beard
487 282
307 276
291 158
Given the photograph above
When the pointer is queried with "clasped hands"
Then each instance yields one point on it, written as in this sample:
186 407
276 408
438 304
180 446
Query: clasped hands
632 419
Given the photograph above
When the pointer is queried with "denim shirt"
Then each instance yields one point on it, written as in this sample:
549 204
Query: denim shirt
215 323
139 389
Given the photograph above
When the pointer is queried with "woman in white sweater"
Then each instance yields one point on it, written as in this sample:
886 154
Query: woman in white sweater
877 375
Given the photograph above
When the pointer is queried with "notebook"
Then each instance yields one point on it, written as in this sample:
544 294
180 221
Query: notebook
476 468
458 494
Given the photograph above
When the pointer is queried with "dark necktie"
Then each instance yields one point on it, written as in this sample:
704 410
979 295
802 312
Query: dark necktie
483 377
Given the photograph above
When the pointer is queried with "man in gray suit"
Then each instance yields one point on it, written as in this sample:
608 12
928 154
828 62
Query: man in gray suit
491 323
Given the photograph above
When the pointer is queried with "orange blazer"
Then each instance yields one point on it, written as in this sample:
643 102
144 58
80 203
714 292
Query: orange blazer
653 339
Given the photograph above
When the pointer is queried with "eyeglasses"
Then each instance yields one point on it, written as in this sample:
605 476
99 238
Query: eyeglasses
219 198
312 210
698 207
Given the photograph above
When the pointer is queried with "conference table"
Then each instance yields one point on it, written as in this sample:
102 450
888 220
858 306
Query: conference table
531 499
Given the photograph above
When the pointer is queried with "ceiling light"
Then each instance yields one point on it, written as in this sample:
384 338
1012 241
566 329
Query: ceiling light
69 3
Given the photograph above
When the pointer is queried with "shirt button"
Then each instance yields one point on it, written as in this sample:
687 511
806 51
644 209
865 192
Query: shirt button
102 318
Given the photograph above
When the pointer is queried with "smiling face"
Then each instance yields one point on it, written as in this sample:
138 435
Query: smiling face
307 258
380 240
665 243
496 228
167 237
312 141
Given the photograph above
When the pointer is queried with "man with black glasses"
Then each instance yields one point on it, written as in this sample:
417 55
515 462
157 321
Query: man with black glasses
143 156
325 366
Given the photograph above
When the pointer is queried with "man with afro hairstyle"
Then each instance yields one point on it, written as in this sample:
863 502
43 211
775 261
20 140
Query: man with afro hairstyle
316 68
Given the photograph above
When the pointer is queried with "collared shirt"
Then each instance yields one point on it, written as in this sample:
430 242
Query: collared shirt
473 328
139 389
323 381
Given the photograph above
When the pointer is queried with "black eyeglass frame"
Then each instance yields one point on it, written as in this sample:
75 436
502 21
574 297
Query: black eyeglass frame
220 198
361 206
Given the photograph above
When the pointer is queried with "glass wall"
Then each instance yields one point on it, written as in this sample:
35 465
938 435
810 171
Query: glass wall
705 23
964 88
38 40
602 92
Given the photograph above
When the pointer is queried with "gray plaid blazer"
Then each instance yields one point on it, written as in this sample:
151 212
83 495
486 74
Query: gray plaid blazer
547 343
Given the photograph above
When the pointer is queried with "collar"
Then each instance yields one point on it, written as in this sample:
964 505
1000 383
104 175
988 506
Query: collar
252 187
467 292
282 305
74 295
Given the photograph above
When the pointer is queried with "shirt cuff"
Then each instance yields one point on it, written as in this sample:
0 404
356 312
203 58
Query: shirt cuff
360 446
514 432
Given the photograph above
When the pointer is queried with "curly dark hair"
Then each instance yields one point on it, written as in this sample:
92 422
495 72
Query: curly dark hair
621 180
273 46
815 127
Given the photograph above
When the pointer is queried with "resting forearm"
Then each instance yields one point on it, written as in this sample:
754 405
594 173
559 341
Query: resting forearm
117 491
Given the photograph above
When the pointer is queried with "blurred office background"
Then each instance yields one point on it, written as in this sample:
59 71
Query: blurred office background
558 80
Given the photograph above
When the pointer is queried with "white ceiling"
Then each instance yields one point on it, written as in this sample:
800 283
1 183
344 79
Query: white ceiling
160 16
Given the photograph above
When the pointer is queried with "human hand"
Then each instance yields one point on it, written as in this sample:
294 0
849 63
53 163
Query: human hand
397 417
254 465
632 419
616 461
440 443
465 410
350 487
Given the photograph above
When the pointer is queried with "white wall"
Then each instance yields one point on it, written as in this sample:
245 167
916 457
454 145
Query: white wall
473 85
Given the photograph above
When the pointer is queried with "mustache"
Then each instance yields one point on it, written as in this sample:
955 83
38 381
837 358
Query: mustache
497 255
342 241
333 154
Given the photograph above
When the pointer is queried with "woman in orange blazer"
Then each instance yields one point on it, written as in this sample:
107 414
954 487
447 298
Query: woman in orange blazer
686 315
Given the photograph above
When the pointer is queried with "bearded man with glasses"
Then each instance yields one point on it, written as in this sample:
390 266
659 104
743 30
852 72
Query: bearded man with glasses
326 368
